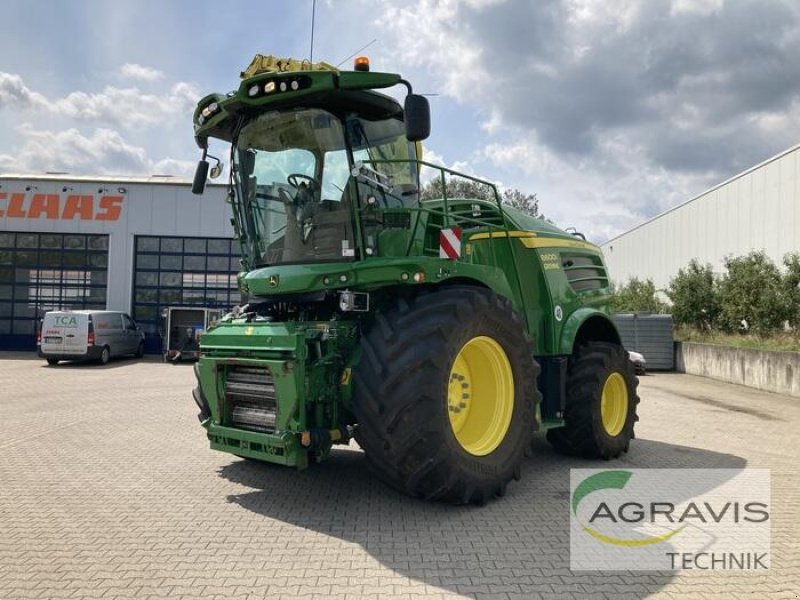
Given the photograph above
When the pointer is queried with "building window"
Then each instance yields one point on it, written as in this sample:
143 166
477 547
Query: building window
47 271
177 271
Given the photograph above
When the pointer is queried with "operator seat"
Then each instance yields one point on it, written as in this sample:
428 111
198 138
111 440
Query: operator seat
331 222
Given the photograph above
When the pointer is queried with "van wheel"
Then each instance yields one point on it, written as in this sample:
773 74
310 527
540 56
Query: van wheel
140 350
52 362
105 355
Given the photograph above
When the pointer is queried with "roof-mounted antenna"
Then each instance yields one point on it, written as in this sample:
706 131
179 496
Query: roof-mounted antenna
364 47
313 15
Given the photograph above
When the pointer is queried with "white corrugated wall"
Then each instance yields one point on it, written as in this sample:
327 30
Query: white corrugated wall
755 210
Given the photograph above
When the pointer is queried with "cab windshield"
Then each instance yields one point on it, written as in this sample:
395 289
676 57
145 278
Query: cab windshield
294 188
291 171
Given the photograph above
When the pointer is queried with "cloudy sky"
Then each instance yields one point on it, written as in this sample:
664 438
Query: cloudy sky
610 111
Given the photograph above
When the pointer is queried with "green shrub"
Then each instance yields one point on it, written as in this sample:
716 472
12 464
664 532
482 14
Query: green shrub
791 289
637 296
752 295
694 296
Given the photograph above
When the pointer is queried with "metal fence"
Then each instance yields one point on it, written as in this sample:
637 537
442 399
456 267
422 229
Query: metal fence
650 335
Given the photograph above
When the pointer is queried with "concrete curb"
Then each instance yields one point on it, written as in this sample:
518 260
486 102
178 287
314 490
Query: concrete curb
761 369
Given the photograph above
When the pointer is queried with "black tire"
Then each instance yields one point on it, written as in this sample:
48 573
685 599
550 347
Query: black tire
583 433
140 350
105 355
52 362
400 394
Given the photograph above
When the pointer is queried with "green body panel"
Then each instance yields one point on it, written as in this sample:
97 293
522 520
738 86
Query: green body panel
360 80
312 392
320 82
554 280
370 275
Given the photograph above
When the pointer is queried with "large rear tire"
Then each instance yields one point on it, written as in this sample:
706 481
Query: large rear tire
601 403
445 395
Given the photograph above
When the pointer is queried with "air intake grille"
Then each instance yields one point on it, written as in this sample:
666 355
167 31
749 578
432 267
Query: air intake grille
250 394
584 272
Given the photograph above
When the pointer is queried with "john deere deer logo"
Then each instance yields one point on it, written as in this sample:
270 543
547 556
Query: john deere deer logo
273 281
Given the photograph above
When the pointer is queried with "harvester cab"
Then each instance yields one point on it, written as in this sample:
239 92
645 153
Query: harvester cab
441 330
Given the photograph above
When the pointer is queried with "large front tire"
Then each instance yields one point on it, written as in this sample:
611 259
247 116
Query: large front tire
601 403
445 395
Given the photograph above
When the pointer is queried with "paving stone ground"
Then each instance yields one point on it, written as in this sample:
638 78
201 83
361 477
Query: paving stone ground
108 490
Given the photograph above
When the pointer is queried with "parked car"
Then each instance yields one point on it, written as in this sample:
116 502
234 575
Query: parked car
639 363
88 335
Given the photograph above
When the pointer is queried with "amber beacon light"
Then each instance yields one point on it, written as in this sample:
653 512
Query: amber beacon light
361 63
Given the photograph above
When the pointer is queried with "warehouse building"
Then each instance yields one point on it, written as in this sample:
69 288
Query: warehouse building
121 243
758 209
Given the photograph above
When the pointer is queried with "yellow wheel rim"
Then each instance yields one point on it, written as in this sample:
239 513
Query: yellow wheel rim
480 395
614 404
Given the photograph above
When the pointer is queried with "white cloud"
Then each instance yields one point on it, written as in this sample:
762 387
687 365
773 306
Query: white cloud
124 107
703 7
614 191
7 163
615 111
15 94
134 71
103 152
173 166
81 132
127 107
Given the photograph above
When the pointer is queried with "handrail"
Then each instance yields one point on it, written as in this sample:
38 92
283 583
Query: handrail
446 212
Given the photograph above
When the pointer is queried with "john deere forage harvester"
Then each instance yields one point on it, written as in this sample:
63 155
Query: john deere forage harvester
440 333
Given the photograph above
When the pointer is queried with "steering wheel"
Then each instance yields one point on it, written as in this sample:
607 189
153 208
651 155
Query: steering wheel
294 178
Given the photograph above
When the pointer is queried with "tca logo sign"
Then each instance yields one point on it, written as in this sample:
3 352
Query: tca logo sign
66 321
57 207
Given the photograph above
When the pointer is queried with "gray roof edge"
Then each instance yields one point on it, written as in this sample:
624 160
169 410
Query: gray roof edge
708 191
155 180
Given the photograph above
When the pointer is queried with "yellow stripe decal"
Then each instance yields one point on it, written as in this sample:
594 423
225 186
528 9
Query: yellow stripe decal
557 243
529 239
502 234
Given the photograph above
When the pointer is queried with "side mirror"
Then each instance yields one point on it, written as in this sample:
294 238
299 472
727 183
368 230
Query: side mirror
417 118
200 176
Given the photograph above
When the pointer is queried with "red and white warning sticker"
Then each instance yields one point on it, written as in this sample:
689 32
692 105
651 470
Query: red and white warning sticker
450 243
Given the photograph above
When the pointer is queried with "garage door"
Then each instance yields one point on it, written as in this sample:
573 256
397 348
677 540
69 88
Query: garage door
47 271
182 271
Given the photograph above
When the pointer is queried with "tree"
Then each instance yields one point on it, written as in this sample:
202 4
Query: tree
457 187
526 203
694 296
791 289
637 296
752 295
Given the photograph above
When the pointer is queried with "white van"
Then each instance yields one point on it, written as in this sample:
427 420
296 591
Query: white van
88 335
